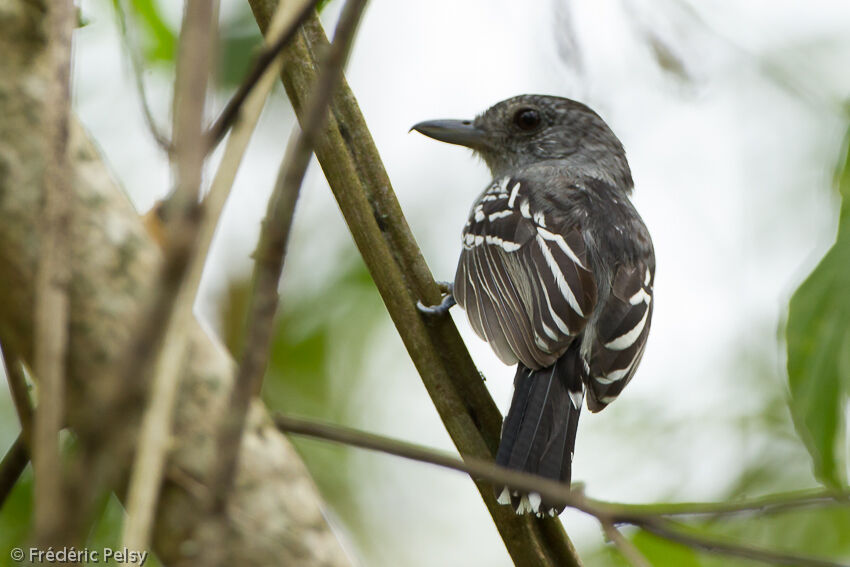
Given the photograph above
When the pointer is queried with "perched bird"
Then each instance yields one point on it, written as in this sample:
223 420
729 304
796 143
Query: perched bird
556 273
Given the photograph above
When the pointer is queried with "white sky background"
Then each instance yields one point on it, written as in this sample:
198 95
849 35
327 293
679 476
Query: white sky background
732 173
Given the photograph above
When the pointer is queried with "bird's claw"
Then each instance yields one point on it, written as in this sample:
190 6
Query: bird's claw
444 306
446 287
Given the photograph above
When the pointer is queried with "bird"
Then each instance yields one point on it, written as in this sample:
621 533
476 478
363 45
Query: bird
556 273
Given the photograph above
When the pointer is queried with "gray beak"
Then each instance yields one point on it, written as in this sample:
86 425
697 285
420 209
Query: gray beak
460 132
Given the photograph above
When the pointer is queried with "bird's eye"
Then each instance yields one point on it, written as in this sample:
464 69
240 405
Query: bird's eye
527 119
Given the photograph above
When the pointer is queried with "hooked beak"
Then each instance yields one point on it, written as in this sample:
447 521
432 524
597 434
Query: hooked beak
460 132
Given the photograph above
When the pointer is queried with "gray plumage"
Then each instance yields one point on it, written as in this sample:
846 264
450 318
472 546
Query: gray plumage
556 271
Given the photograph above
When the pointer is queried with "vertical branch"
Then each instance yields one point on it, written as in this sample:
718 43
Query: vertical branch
193 71
295 14
53 276
190 93
270 255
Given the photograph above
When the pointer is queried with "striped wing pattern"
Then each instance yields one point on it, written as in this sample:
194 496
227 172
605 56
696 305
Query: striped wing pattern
524 281
611 356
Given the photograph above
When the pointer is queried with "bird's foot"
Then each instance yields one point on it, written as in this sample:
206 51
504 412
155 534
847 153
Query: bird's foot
444 306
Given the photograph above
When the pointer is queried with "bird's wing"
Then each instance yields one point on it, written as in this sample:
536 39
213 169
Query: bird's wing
616 343
523 277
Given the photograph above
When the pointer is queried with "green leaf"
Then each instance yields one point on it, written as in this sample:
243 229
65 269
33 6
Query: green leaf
819 532
160 39
16 514
239 43
662 552
818 339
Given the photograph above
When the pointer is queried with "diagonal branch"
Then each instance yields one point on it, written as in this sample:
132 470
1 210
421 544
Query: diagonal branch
18 456
19 390
352 165
12 466
270 255
263 61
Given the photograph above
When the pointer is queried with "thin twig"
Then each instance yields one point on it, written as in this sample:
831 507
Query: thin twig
18 456
137 68
549 490
20 392
53 277
12 466
270 255
263 61
770 504
626 548
147 473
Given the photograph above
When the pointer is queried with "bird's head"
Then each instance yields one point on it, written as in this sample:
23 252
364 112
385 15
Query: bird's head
528 129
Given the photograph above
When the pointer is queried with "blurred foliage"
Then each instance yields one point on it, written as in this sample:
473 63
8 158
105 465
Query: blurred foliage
659 552
159 40
818 338
821 533
106 532
238 43
318 352
16 518
16 514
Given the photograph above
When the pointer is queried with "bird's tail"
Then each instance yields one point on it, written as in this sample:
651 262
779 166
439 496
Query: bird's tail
539 432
